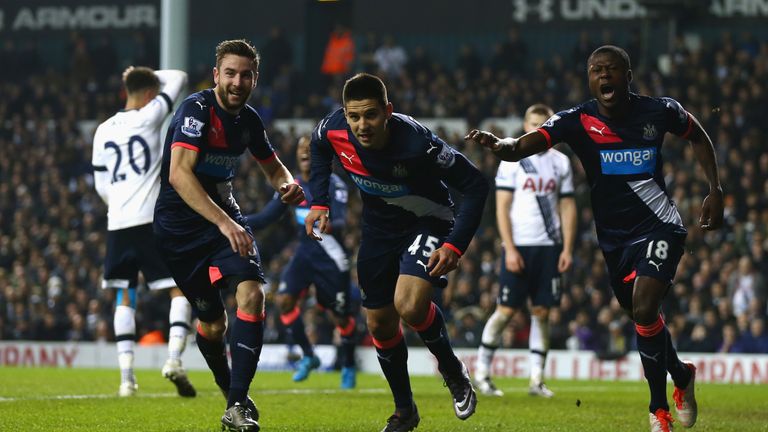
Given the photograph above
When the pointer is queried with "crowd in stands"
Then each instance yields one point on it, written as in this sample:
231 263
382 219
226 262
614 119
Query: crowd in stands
53 224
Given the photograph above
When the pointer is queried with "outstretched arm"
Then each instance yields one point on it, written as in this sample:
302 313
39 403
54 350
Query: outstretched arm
510 149
282 181
712 208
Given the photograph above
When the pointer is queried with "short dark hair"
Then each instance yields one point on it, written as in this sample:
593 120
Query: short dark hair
618 52
364 86
141 78
539 109
238 47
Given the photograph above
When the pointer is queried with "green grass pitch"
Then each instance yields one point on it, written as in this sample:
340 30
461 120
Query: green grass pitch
85 400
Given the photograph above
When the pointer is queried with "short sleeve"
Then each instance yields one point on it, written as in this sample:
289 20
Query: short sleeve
191 125
506 174
566 178
679 122
557 128
259 146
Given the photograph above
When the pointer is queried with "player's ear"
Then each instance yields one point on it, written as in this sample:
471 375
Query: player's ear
255 79
629 75
389 109
215 75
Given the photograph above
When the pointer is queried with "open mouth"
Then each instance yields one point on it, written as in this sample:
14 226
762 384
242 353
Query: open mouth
607 92
364 136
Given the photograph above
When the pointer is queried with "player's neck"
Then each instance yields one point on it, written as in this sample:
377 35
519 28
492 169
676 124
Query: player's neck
133 103
305 176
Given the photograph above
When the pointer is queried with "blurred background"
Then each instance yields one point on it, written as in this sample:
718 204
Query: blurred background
452 65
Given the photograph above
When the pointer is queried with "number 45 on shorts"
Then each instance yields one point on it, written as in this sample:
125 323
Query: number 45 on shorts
430 244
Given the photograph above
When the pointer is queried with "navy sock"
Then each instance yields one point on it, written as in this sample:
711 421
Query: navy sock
294 326
348 351
434 335
679 372
215 355
393 358
245 344
652 344
348 342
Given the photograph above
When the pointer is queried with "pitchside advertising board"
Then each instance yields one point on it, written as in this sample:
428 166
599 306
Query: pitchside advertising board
572 365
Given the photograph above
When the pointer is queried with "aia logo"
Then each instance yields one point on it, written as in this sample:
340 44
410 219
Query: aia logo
598 131
539 185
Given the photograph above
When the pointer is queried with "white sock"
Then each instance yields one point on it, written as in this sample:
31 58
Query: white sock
125 334
179 318
538 343
490 340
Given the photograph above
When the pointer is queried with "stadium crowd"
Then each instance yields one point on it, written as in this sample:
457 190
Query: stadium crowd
53 224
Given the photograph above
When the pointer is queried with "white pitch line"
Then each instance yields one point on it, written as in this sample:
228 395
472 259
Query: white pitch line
173 395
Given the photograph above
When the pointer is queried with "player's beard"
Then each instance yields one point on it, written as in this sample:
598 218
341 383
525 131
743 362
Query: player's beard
224 95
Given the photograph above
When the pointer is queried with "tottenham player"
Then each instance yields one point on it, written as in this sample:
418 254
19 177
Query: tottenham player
324 264
618 136
126 161
202 234
536 251
411 237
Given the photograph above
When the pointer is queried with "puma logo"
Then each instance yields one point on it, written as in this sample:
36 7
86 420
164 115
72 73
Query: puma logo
431 147
653 357
600 131
202 107
252 350
386 358
423 265
658 266
347 157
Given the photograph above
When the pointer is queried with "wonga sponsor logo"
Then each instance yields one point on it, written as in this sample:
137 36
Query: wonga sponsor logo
628 161
378 188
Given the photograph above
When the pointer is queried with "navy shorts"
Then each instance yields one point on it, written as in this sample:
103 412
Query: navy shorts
540 281
383 257
202 272
655 256
311 264
129 251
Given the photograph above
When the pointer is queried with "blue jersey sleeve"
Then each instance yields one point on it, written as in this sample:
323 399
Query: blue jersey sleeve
459 173
560 126
339 196
321 166
191 126
268 215
259 144
679 122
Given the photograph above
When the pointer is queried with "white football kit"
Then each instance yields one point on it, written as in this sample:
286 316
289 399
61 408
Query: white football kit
538 182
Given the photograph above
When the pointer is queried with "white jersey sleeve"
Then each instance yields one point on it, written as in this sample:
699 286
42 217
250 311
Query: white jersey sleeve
171 84
506 175
566 176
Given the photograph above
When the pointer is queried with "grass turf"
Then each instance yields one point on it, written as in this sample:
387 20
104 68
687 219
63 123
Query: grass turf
38 399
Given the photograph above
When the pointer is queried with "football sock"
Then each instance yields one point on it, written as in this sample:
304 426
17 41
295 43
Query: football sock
679 372
125 333
651 342
179 317
393 358
215 354
348 343
294 325
245 344
489 342
434 335
538 343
